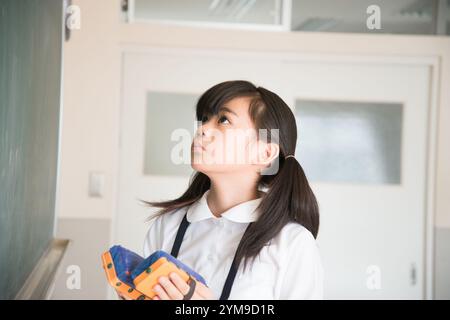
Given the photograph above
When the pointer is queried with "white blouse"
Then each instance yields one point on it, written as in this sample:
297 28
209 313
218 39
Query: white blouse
289 267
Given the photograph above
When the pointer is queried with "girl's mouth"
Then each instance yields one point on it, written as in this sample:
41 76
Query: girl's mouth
197 147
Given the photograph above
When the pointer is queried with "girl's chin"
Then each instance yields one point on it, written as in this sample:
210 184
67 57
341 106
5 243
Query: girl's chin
219 168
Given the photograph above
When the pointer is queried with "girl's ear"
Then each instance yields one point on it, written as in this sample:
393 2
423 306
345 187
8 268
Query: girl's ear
267 152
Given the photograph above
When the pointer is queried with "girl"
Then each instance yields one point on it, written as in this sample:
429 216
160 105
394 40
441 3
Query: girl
246 243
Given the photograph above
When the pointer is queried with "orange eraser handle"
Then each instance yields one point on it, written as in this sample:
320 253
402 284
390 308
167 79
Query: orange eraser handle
122 287
149 278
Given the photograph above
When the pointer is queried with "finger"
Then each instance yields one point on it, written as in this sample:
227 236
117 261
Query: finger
159 290
122 297
181 285
185 288
170 288
205 292
156 298
196 296
202 289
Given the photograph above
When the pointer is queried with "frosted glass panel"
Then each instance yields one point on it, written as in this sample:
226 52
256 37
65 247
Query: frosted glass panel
168 113
396 17
267 12
350 142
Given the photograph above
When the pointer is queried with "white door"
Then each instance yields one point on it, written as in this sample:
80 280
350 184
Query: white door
362 143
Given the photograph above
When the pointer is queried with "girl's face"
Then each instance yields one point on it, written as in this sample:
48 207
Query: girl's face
228 142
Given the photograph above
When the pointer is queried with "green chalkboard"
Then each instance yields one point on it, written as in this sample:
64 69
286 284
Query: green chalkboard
30 81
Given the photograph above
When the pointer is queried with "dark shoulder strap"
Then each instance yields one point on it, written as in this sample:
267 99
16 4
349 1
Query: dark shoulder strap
231 274
180 235
229 281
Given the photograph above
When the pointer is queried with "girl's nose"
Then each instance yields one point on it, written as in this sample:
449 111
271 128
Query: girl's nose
204 130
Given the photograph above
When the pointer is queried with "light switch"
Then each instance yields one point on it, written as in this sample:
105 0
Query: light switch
96 184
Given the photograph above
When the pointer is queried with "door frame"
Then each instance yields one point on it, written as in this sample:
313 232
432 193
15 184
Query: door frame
431 61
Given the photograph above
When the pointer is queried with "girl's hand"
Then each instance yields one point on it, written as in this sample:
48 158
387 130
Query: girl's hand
174 288
122 297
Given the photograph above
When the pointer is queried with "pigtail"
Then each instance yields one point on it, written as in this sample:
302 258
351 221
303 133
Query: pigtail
289 198
302 203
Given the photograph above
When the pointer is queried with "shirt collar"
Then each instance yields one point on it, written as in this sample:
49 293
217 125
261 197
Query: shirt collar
243 213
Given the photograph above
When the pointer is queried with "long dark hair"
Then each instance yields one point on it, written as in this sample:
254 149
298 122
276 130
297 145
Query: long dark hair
289 197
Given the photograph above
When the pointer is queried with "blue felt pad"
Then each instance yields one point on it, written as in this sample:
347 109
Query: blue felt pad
143 265
125 261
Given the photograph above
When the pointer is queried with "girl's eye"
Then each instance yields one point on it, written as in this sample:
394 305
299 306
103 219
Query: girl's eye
204 119
224 120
